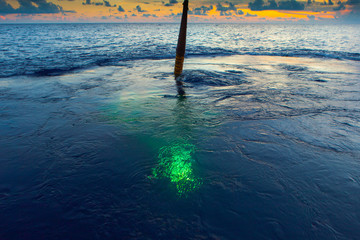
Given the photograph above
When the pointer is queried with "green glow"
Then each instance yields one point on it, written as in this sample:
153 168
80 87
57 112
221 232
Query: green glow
175 163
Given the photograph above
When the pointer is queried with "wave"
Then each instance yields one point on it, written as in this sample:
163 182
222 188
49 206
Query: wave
311 54
53 66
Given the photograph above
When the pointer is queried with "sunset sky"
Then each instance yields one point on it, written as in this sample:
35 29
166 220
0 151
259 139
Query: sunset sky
170 11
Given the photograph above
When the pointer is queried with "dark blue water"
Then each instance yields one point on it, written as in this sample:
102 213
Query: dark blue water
52 49
96 144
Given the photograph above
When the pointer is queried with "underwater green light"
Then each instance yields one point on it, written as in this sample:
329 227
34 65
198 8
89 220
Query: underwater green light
175 163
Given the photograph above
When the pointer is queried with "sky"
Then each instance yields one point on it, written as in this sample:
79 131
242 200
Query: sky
327 11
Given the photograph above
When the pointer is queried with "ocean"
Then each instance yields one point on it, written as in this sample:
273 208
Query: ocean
95 142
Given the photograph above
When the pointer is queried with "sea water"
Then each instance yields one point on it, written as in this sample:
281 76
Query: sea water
95 143
50 49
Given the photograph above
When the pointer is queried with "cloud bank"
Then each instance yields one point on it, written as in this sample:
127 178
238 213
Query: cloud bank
30 7
259 5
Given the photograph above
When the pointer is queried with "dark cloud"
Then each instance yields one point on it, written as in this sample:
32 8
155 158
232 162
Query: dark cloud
107 4
354 5
120 9
104 3
170 3
272 4
138 9
175 16
30 7
222 13
201 11
250 15
222 8
226 10
354 15
311 17
327 3
259 5
240 12
353 2
87 2
6 8
150 15
291 5
341 6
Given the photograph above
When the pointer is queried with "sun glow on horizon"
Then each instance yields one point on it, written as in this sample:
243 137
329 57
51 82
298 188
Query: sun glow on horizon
157 11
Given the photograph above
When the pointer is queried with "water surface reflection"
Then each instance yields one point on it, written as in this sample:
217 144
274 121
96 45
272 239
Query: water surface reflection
171 126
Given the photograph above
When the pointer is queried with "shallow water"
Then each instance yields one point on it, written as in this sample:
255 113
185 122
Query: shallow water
262 147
